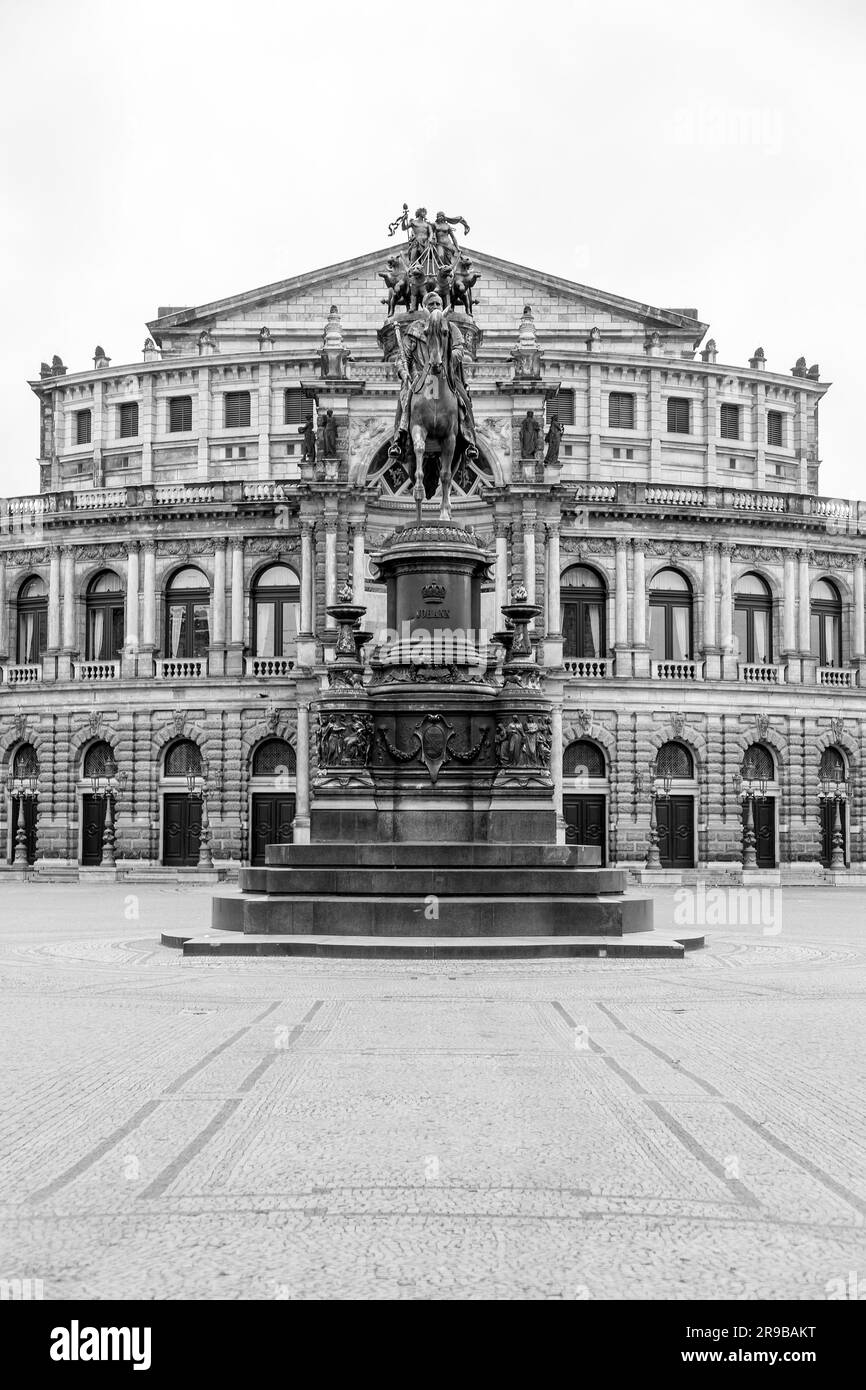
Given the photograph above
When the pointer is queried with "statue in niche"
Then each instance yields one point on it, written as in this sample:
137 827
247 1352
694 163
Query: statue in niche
330 435
552 439
529 432
309 433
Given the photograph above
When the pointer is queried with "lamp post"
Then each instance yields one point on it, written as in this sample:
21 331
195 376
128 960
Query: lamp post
658 787
835 789
749 785
23 789
197 784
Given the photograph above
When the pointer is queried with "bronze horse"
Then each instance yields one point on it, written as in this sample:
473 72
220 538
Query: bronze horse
434 414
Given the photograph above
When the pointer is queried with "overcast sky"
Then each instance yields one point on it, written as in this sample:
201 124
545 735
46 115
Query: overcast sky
684 154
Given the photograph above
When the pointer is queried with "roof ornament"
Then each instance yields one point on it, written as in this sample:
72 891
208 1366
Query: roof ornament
799 367
206 344
526 356
334 357
758 360
710 351
99 357
150 352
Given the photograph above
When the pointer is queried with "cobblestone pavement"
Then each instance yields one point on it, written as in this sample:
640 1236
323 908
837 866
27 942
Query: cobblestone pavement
278 1129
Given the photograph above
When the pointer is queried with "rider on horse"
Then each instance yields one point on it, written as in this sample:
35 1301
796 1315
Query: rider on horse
411 367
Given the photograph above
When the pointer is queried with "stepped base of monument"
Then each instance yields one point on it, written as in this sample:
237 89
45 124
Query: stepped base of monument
401 900
648 946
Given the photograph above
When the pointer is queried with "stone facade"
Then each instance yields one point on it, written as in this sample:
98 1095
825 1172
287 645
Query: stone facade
209 474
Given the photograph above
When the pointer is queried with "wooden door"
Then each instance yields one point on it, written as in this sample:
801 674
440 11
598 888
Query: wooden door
273 814
181 829
585 818
676 827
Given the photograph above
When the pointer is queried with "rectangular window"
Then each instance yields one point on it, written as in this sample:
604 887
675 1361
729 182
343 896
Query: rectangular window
678 415
180 414
730 422
242 451
296 407
82 427
236 408
620 411
775 432
127 420
563 406
616 452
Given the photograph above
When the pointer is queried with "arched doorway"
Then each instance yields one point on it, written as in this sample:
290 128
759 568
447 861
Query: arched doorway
584 795
181 805
675 806
96 768
23 801
272 797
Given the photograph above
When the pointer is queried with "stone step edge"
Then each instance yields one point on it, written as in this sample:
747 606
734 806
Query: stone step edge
646 943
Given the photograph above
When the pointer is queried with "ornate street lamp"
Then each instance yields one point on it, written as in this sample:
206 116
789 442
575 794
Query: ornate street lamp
749 785
658 787
835 789
22 789
197 784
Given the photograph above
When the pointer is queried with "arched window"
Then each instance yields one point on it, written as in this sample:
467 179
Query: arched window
104 617
675 760
97 758
826 623
670 604
391 478
583 759
833 767
26 761
182 757
32 621
187 630
583 605
753 626
273 758
758 764
276 612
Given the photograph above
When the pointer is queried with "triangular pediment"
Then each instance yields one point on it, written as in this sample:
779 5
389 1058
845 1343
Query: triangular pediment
561 307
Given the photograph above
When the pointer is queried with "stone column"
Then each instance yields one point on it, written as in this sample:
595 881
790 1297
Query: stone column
301 830
4 611
359 563
147 410
594 453
264 420
330 568
130 654
556 769
49 666
553 638
859 633
552 572
501 570
729 657
789 599
808 658
306 636
622 652
235 655
638 600
217 651
69 597
712 661
654 424
529 552
201 423
148 629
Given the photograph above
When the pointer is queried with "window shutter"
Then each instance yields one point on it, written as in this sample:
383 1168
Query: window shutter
774 429
620 411
82 427
730 422
678 415
128 420
237 410
180 414
296 407
562 406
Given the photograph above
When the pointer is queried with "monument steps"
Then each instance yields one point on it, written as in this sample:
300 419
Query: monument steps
648 945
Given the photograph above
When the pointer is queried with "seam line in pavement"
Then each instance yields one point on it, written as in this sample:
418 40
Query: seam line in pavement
837 1188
